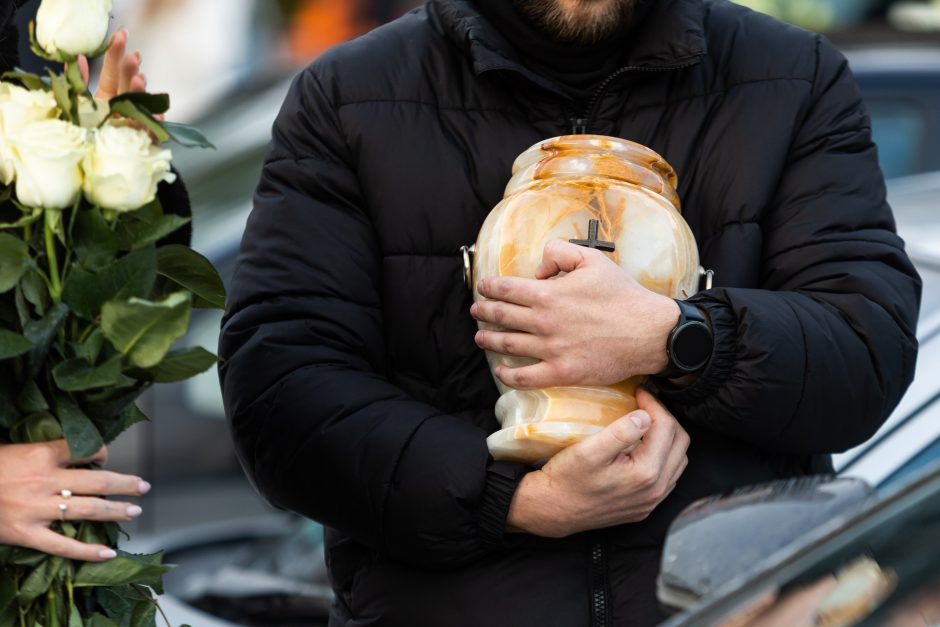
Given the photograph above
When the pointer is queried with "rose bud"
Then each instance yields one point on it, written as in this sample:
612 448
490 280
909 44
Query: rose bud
72 27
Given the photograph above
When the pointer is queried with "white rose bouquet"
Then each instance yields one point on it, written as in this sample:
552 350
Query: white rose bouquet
91 302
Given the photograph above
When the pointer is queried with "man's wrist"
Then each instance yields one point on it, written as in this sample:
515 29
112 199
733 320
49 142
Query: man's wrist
663 322
690 344
532 509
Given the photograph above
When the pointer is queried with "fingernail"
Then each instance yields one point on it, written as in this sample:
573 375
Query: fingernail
478 338
143 487
473 310
134 511
107 554
641 419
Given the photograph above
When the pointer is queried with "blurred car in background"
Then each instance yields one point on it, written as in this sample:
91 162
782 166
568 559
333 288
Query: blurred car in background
871 562
901 87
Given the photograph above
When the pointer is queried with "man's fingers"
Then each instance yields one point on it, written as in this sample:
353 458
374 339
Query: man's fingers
516 290
526 378
49 541
559 256
102 483
621 436
659 441
505 315
515 344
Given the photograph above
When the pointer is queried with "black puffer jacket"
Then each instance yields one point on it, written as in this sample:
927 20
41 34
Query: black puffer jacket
354 389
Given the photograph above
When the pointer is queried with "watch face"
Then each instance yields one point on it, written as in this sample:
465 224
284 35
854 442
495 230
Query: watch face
692 346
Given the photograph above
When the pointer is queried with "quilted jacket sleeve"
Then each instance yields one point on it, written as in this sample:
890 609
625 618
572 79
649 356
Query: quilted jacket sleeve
816 360
317 425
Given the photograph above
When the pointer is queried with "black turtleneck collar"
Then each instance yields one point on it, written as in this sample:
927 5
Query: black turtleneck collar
578 69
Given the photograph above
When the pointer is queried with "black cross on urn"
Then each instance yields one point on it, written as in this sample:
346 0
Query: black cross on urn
592 241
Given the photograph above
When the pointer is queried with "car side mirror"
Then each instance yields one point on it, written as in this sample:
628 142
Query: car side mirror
720 539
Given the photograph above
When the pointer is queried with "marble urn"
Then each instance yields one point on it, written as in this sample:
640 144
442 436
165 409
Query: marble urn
617 195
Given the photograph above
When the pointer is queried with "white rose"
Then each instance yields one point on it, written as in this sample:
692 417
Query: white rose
72 26
47 157
92 112
123 168
19 107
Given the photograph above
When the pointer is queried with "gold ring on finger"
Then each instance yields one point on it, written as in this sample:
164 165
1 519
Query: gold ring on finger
62 509
66 494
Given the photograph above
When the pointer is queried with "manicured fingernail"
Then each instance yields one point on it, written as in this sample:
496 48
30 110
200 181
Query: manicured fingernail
641 419
107 554
134 511
143 487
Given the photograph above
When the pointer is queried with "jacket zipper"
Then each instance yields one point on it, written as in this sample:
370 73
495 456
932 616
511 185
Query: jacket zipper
581 125
600 615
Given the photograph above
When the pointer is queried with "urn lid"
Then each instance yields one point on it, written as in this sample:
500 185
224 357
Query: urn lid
581 156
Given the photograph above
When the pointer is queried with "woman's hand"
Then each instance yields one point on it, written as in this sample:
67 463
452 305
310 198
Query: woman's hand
36 480
120 72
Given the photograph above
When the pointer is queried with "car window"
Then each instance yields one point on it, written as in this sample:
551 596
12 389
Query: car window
928 457
899 130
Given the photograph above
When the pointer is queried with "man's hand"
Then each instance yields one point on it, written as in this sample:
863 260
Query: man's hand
617 476
593 326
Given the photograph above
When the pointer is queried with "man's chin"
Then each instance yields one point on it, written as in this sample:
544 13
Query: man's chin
581 22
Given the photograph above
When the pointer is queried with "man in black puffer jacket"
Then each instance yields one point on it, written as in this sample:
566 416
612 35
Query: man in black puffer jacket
356 393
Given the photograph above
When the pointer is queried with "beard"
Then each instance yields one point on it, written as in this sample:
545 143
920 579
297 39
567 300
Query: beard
580 22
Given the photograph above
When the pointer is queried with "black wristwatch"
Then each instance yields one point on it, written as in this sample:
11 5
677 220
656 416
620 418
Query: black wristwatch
690 343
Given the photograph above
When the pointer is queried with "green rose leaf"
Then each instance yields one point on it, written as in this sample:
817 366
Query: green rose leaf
7 592
115 601
145 330
14 261
127 418
9 414
187 136
75 617
103 405
41 333
30 81
76 375
152 103
13 344
190 270
100 620
94 243
31 399
39 580
91 347
80 432
62 91
182 364
130 110
123 569
147 225
35 291
40 427
130 276
143 614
